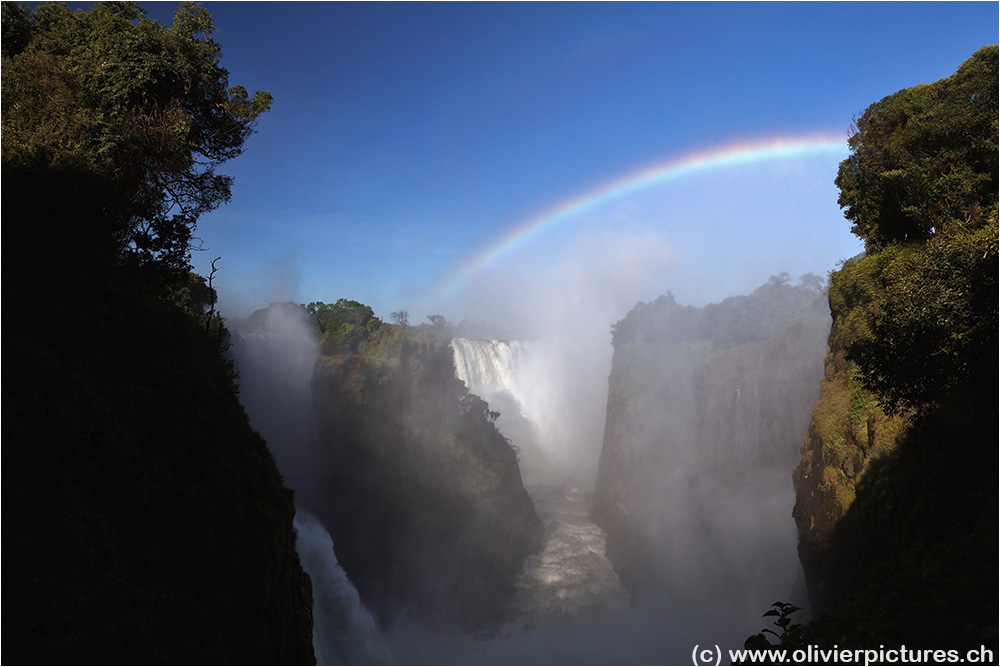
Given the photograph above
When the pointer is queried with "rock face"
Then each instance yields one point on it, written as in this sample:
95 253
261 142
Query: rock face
706 412
421 493
896 513
849 439
145 521
897 488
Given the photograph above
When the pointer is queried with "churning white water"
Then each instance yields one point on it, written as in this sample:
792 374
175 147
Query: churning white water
492 366
571 575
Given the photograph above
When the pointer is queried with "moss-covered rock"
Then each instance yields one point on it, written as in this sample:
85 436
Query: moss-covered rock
896 511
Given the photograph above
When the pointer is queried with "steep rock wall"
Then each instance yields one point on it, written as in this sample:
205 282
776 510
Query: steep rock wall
421 493
145 521
896 513
706 411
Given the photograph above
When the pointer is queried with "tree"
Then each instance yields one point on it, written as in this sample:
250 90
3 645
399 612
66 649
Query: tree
127 120
811 281
921 189
140 459
331 317
344 325
401 318
195 295
925 158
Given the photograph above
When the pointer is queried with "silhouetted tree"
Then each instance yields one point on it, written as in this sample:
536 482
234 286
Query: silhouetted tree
114 126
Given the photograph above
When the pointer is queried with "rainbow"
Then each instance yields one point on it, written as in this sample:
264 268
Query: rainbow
718 157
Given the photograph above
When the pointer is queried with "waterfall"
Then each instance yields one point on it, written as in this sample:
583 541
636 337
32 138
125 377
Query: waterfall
550 398
344 632
274 352
505 374
571 577
492 366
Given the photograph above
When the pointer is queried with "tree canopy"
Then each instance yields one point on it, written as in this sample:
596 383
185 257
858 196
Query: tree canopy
343 325
925 158
146 519
114 126
928 321
921 189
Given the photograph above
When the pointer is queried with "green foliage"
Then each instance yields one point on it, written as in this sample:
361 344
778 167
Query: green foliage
127 118
194 296
788 635
919 314
16 24
896 491
925 158
148 522
344 325
931 320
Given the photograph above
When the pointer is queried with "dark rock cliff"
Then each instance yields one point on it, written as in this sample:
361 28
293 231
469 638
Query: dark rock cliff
897 487
706 411
420 492
897 513
144 521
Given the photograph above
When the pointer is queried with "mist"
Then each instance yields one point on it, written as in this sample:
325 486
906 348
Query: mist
711 504
274 351
719 402
564 306
565 289
712 501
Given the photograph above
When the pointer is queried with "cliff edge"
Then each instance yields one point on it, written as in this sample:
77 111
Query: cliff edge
706 407
896 492
421 493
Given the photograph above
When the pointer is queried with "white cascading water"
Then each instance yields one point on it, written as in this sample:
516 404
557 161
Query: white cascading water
525 383
570 606
571 576
275 363
490 364
344 632
491 367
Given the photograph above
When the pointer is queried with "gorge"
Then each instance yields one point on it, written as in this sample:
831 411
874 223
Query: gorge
315 484
378 439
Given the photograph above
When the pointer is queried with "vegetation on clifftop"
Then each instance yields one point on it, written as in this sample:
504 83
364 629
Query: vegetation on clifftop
420 492
144 520
897 487
127 120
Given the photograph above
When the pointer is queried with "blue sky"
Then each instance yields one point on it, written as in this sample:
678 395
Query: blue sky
406 138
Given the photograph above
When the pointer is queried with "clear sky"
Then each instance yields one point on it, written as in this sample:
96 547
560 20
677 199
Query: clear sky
407 140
